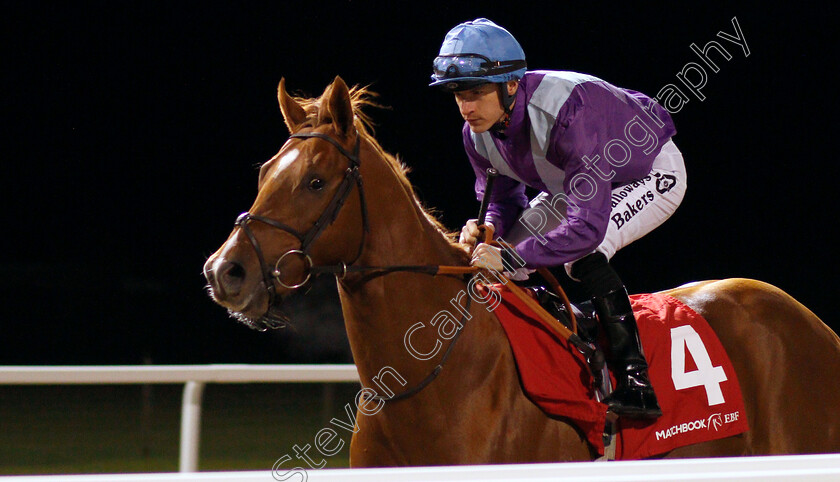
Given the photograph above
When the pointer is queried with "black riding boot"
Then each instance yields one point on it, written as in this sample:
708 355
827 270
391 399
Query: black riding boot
633 396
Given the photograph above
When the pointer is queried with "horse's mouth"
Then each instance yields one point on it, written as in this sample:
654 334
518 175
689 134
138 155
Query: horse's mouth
270 318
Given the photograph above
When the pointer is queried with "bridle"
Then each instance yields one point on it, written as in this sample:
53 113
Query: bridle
351 176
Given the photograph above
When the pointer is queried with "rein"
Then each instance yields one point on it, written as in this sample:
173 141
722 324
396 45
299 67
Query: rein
353 176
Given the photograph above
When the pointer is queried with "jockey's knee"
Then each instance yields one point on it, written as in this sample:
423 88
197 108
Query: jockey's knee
596 274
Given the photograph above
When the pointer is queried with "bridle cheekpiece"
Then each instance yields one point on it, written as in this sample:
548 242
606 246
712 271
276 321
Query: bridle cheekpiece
270 275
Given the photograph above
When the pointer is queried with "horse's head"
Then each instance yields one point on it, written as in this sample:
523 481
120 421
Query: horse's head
300 218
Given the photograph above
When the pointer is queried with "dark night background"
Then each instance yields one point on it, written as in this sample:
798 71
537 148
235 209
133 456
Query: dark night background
132 132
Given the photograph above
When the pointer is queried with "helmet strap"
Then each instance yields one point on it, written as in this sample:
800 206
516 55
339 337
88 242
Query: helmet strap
507 102
505 98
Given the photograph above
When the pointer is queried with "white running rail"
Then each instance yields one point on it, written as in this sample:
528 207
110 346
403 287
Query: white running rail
789 468
194 378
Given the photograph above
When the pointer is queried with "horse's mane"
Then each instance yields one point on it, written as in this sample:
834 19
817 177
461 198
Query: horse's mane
361 98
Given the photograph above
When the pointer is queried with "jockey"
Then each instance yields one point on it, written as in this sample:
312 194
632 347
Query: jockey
603 160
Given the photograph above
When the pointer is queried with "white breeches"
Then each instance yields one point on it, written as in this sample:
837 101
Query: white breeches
637 208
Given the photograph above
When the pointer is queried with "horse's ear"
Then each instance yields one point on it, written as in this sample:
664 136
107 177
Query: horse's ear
293 113
337 103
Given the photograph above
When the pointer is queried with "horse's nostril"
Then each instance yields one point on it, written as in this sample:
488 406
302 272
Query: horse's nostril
236 271
229 277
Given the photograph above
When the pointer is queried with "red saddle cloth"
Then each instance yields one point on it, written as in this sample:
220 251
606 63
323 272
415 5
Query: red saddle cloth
693 377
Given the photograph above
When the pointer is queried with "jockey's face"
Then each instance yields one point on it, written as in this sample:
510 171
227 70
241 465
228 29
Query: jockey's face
481 106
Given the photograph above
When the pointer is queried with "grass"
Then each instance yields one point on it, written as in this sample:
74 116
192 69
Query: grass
110 429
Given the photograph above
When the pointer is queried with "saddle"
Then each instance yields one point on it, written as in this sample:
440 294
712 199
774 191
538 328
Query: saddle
588 331
587 321
559 375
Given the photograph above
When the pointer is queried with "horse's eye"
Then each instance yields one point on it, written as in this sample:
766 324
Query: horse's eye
316 184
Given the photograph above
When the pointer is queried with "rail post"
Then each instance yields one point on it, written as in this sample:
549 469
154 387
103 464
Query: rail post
190 426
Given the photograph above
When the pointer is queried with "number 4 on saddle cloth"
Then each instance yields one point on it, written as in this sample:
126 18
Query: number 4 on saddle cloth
693 377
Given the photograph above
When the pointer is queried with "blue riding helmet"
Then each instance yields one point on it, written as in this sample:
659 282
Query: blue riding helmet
477 52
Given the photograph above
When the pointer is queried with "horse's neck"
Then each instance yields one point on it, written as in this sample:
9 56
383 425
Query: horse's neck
380 310
400 232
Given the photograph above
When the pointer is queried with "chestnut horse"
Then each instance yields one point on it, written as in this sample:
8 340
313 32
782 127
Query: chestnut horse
313 214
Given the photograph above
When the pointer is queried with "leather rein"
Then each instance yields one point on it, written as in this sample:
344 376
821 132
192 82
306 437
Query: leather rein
353 176
271 275
328 216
